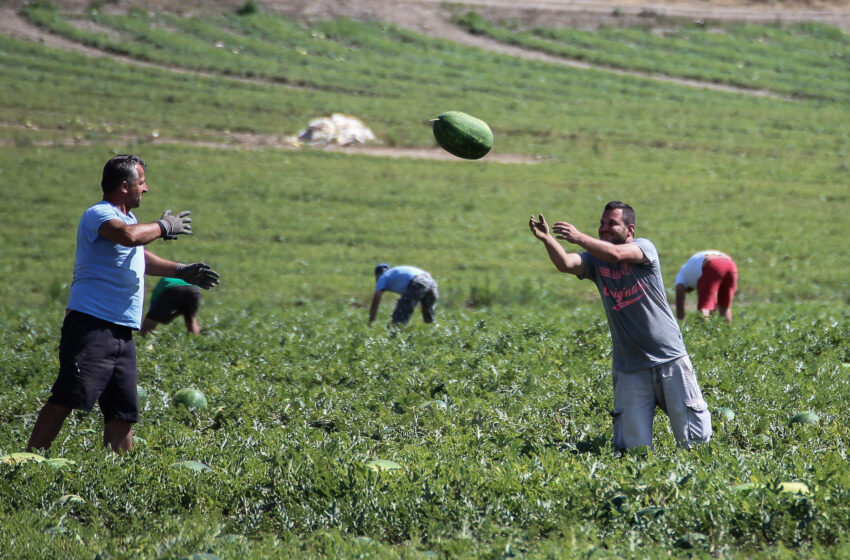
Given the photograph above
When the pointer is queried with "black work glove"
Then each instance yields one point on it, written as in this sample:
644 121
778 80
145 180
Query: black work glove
199 274
172 226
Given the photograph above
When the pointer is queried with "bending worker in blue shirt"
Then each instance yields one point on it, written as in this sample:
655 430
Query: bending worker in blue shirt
412 284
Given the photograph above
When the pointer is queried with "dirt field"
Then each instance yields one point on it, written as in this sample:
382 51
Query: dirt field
432 17
429 16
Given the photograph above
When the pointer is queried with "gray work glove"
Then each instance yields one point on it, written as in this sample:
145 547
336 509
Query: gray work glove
172 226
199 274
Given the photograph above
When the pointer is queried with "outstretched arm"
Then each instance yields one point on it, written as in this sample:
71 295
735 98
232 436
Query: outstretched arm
133 235
130 235
602 250
158 266
570 263
376 301
199 274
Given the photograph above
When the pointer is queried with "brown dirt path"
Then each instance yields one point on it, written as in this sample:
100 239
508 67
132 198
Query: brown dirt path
432 17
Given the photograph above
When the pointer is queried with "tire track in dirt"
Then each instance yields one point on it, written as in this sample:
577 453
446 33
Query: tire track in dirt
253 141
428 17
436 23
12 24
493 45
431 18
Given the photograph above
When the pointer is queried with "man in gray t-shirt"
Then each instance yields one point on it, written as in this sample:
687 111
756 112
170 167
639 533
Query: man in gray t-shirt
651 366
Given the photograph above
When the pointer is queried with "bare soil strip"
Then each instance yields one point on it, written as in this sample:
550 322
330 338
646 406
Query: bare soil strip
429 17
487 44
432 17
251 141
14 25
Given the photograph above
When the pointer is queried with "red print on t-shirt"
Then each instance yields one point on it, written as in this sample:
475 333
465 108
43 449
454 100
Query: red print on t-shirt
625 296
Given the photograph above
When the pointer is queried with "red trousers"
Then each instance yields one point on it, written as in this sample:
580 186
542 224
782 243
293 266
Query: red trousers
718 283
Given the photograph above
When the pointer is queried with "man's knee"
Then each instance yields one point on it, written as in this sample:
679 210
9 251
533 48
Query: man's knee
630 430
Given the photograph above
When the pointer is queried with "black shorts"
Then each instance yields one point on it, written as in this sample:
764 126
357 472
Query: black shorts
97 363
179 300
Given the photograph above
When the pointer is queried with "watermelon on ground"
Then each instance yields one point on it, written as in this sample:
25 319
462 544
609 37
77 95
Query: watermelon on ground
807 417
191 465
794 487
746 486
724 413
141 395
463 135
437 404
190 397
787 487
379 465
22 457
60 462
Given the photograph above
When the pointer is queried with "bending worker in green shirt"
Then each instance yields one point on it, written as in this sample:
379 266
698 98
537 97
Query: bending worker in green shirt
172 297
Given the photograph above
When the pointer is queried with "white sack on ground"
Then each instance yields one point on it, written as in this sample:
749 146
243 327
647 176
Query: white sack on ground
336 129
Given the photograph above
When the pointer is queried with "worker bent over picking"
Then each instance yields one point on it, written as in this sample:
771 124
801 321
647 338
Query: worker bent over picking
412 284
715 278
172 297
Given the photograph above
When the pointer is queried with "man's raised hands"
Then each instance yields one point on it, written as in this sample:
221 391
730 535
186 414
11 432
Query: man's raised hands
172 226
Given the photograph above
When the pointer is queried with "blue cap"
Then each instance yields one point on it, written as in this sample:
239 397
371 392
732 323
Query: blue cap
381 268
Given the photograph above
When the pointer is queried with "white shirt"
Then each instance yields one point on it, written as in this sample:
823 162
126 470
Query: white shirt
691 271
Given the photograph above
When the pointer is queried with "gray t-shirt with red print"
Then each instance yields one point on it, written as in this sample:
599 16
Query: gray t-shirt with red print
644 331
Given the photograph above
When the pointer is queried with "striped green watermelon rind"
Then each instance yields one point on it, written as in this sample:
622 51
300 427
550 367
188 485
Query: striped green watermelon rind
794 487
724 413
383 465
196 466
787 487
141 395
191 398
21 457
807 417
61 463
463 135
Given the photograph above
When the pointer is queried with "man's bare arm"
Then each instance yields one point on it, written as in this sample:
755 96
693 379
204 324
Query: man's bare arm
570 263
602 250
129 235
158 266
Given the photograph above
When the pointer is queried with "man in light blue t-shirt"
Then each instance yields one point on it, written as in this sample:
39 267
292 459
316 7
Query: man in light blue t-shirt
651 367
97 355
414 285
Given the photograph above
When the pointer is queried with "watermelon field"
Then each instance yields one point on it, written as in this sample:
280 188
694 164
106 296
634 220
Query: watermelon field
487 434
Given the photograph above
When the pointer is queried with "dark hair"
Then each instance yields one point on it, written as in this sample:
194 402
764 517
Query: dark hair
381 268
628 211
119 169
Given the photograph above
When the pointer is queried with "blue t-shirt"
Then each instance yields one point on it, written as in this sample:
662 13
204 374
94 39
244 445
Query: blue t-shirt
109 279
644 331
396 279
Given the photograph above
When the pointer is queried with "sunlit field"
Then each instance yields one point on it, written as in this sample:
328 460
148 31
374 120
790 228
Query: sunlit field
486 435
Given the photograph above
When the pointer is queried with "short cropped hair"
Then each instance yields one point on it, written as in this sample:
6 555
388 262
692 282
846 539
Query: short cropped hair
381 268
119 169
628 211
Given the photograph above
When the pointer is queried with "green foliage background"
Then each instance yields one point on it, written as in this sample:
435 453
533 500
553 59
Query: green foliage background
498 415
